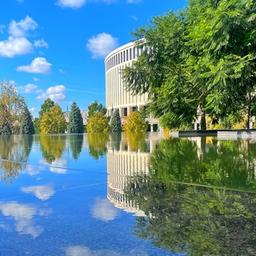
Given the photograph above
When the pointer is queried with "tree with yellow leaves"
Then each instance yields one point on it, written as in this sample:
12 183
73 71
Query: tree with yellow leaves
53 121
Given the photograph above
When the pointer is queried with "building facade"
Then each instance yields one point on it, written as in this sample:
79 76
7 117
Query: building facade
117 97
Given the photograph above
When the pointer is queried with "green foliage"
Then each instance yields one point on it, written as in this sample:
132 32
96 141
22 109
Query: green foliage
198 199
27 126
37 125
12 110
46 106
202 57
53 121
115 124
135 123
95 108
98 123
75 120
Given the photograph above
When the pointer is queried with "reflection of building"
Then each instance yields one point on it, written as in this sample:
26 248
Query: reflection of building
122 165
117 97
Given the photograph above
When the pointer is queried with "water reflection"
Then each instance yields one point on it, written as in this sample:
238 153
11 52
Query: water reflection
198 197
14 152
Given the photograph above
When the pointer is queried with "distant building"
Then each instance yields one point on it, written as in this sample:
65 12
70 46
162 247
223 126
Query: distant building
117 97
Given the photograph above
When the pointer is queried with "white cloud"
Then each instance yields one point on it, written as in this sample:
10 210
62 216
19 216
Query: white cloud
75 4
55 93
28 88
104 210
23 215
41 43
39 65
101 44
41 192
15 46
20 29
80 250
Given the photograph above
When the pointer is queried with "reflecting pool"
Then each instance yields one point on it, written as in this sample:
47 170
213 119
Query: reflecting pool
113 195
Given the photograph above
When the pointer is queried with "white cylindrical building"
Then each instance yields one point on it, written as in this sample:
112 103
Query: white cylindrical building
117 97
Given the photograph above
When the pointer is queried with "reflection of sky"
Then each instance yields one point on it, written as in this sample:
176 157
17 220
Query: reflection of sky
45 213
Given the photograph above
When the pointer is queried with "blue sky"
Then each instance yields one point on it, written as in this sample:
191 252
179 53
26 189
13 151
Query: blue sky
56 48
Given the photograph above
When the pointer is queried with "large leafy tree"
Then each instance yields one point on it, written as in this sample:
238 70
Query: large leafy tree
75 120
201 60
98 123
53 121
135 123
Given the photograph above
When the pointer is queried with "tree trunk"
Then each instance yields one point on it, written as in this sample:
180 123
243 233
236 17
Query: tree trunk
248 113
203 121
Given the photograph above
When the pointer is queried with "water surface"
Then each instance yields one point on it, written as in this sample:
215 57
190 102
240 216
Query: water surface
115 195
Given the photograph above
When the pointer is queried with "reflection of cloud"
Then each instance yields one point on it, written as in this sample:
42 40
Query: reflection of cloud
31 170
23 215
59 166
41 192
79 250
104 210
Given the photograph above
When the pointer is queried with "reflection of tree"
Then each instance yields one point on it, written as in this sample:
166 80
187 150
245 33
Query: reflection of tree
115 139
52 147
97 144
14 152
76 144
135 141
198 218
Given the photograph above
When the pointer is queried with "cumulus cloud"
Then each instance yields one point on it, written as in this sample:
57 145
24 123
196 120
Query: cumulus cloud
41 192
101 44
55 93
21 28
28 88
39 65
15 46
103 210
23 215
75 4
41 43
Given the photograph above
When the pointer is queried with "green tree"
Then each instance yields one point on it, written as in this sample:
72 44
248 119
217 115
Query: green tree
97 144
37 125
135 123
75 120
46 106
115 124
98 123
27 126
95 108
202 58
53 121
5 121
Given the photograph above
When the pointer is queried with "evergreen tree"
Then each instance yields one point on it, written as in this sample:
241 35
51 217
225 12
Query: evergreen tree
75 120
27 126
116 125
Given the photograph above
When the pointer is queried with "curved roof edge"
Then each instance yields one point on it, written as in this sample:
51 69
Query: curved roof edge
130 44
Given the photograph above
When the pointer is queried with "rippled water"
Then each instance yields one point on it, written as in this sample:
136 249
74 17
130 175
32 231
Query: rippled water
116 195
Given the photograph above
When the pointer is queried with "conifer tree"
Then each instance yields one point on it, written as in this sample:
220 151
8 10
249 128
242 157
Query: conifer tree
27 126
75 120
116 125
